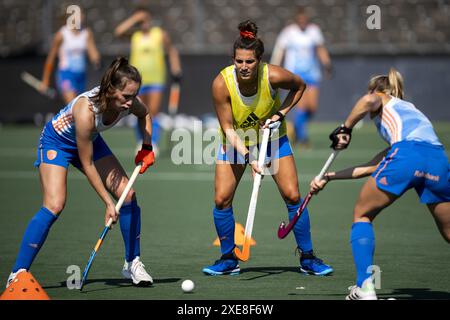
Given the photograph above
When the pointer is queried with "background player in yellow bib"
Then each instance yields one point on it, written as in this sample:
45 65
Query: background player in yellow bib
149 44
245 95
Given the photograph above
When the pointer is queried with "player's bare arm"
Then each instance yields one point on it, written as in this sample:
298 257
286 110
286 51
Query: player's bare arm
50 60
280 78
172 52
369 103
141 111
84 121
94 55
355 172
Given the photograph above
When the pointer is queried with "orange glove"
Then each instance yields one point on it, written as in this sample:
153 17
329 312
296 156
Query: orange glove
146 156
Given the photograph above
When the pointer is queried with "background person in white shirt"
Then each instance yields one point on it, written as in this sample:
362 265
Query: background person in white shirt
300 48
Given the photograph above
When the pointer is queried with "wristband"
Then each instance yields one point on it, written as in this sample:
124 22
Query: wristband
146 146
281 115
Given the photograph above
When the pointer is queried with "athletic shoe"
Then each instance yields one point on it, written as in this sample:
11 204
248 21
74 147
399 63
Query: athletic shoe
367 292
310 264
227 264
135 270
12 276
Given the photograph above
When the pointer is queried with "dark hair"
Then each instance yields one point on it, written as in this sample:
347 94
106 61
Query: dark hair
115 78
301 11
142 8
248 39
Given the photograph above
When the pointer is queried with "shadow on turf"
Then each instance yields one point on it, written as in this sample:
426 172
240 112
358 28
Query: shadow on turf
416 294
269 271
117 283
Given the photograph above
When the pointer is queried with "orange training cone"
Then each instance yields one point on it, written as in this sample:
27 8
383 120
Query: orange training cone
239 232
24 287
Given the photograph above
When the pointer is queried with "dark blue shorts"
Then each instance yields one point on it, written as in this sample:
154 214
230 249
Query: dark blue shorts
71 81
276 149
53 149
418 165
151 88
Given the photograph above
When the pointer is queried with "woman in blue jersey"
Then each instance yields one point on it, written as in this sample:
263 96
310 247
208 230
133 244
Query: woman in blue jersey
73 137
415 159
70 46
301 48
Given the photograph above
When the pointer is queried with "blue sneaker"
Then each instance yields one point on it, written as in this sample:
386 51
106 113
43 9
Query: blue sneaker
310 264
227 264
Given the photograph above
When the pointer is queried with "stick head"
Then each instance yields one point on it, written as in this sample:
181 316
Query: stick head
282 231
243 255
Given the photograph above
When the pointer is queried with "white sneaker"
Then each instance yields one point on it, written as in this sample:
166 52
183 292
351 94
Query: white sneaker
12 276
135 270
367 292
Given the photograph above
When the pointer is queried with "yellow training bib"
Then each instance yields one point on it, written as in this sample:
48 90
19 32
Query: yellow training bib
247 118
147 55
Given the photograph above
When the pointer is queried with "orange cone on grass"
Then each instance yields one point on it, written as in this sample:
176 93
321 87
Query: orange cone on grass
24 287
239 238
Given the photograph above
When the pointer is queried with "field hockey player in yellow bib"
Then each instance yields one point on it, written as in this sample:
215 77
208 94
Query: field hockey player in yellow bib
245 96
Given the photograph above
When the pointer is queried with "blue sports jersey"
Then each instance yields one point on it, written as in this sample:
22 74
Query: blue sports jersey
400 120
416 159
58 144
64 124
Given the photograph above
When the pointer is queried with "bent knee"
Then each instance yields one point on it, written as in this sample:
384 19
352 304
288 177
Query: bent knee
55 207
446 235
223 201
130 196
292 197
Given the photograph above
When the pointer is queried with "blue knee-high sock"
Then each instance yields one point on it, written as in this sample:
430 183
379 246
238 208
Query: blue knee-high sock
130 226
302 229
34 238
300 124
156 130
362 239
224 222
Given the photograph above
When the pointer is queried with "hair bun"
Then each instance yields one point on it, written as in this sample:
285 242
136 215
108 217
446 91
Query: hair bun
248 29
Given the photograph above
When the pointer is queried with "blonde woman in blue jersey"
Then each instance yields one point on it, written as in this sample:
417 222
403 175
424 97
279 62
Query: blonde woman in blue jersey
149 44
414 159
73 137
70 46
245 96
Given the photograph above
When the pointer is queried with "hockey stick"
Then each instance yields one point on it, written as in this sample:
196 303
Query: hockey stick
108 225
283 229
174 98
244 255
35 83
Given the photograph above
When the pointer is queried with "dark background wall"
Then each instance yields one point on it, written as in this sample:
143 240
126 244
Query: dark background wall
427 82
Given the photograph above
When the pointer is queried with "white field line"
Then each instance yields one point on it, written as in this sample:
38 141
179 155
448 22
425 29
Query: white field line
148 176
124 152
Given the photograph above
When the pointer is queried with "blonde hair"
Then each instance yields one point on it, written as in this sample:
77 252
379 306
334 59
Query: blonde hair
391 84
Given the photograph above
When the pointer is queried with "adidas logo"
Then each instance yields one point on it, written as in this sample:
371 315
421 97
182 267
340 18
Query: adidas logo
383 181
251 121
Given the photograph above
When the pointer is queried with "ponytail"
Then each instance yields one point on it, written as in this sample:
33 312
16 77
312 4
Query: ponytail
396 83
114 78
392 84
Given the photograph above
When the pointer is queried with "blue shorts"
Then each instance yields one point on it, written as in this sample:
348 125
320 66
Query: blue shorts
311 80
71 81
53 149
147 88
418 165
276 149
